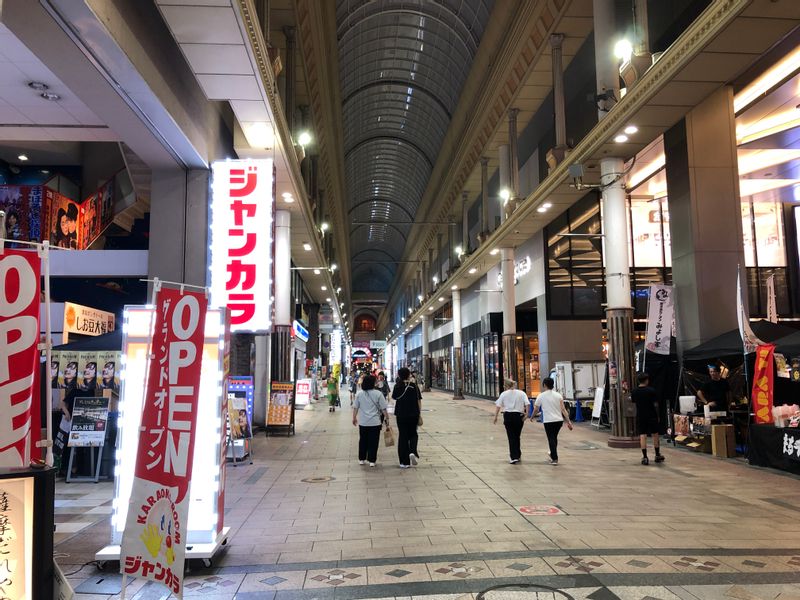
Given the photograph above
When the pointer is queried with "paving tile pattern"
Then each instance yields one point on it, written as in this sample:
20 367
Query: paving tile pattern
309 522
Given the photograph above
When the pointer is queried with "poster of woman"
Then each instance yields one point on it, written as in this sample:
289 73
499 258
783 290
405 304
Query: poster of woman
88 372
69 375
108 378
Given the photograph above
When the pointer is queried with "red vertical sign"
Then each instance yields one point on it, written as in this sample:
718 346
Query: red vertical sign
154 541
763 387
19 357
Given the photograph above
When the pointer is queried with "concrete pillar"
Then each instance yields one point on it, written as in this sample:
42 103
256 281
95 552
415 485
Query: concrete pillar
290 78
509 314
513 160
439 259
504 177
484 228
282 350
464 223
458 363
705 218
557 154
607 70
179 226
619 314
426 356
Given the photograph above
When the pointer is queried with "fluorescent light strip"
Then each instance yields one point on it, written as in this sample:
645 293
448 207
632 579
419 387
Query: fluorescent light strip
772 77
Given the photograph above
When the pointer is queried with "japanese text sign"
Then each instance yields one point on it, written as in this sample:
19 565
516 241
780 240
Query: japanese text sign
242 243
154 541
19 357
16 538
660 312
763 384
791 445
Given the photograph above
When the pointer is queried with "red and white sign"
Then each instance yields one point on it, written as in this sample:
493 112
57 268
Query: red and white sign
154 541
540 510
19 357
241 234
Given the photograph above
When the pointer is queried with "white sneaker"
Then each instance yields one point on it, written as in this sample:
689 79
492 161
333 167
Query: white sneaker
371 464
362 462
413 459
405 466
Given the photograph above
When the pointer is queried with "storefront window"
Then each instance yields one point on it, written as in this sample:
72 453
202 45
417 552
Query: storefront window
528 363
650 232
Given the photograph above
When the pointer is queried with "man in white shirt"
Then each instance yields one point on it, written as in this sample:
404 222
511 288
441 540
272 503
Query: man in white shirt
554 413
514 405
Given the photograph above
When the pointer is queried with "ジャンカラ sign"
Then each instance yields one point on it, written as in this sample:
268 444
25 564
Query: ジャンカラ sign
241 237
154 541
19 356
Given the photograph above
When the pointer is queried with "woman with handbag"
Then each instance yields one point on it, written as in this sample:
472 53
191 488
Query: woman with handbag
408 412
369 410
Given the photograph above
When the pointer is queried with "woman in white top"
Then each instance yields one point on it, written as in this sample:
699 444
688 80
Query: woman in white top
514 405
551 405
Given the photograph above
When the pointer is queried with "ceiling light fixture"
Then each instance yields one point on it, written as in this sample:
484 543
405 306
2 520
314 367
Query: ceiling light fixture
38 86
547 204
473 270
631 129
453 287
324 288
494 251
287 197
621 138
307 247
22 157
50 96
259 134
328 300
317 271
304 139
441 298
430 308
541 209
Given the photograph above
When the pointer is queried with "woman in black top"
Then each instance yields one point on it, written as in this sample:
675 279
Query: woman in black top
408 404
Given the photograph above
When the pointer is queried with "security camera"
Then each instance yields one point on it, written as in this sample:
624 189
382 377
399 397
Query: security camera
604 100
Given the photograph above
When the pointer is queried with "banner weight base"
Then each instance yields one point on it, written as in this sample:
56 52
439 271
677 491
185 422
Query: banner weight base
204 552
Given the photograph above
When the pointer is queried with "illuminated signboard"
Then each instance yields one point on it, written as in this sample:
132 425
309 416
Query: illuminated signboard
16 538
86 321
521 268
241 242
207 478
300 332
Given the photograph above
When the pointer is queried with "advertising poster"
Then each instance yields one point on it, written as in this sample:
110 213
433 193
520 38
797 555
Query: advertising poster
19 356
62 220
108 371
89 420
281 404
302 392
87 371
56 375
238 416
23 207
16 538
763 385
154 540
69 360
96 213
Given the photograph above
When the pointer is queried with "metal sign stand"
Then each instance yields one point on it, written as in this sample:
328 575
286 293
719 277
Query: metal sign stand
94 468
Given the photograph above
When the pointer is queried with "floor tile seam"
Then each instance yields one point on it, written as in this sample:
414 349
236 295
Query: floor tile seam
509 555
578 580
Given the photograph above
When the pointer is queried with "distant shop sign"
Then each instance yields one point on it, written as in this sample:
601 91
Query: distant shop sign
521 268
377 344
300 332
85 320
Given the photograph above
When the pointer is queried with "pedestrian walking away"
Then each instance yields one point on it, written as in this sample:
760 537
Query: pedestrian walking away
513 403
647 417
551 405
407 411
369 410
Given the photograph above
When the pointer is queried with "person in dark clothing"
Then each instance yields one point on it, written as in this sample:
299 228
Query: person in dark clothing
716 392
647 421
407 410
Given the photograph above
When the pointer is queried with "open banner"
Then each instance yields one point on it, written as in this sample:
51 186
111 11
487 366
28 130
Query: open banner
154 540
763 383
19 356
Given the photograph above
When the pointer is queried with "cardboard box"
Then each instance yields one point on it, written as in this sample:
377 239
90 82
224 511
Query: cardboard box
723 441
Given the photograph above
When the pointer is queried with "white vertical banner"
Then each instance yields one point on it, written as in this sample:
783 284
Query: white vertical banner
749 339
772 305
660 312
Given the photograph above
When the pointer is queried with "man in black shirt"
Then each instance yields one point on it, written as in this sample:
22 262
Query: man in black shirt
647 421
716 392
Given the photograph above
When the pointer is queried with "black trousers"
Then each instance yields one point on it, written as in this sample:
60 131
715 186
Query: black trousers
513 422
407 439
552 429
368 439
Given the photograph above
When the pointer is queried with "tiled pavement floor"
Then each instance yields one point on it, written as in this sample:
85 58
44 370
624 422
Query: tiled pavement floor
694 528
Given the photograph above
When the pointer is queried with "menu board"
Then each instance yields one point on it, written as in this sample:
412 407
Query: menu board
281 404
89 421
